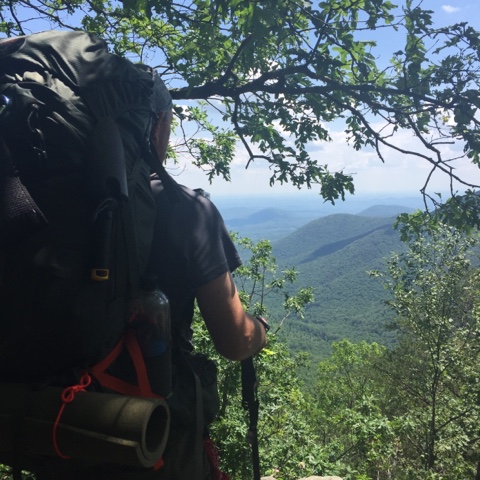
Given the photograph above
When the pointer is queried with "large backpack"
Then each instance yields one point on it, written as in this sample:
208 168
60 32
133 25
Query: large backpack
77 219
76 208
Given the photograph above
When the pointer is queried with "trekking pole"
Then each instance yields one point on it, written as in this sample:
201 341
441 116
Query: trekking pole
250 403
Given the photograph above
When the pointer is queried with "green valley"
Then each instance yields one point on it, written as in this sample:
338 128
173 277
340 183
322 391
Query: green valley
333 254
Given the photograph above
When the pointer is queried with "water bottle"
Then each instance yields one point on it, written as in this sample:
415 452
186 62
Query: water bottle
150 318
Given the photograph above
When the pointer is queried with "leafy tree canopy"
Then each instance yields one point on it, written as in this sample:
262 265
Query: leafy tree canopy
435 294
277 72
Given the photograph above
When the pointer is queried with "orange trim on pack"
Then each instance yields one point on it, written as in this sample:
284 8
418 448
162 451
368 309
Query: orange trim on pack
143 389
67 396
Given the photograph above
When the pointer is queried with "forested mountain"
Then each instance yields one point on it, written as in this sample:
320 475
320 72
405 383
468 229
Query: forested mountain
269 223
333 254
385 211
276 222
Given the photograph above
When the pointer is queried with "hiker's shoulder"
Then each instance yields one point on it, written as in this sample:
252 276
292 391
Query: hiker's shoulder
188 200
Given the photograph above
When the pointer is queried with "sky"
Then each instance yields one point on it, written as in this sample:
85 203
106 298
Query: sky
399 175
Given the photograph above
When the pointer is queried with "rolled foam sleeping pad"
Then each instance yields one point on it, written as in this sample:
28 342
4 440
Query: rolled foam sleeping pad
99 427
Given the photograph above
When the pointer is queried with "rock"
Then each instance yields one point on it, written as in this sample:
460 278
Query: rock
306 478
321 478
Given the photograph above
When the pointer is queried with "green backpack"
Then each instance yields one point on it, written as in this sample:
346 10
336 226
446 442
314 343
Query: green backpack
76 208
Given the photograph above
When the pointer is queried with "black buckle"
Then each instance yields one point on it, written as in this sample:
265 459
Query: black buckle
263 322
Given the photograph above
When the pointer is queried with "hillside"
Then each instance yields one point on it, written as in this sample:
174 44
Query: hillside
333 254
275 217
269 223
385 211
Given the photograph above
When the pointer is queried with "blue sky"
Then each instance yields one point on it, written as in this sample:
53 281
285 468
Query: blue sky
399 175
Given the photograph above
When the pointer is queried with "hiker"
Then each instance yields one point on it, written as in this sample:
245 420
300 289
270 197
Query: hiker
201 264
194 258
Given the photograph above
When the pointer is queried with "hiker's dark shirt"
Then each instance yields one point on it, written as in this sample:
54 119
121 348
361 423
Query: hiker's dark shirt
191 248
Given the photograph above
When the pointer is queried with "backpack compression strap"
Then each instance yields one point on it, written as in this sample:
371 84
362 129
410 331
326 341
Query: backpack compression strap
143 389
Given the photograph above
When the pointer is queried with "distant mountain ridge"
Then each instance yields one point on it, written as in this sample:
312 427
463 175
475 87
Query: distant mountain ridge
385 211
269 223
262 216
328 230
333 255
273 223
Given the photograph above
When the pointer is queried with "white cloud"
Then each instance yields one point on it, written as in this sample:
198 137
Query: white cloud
400 173
450 9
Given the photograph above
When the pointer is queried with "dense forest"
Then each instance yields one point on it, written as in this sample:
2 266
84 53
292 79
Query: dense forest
408 410
332 255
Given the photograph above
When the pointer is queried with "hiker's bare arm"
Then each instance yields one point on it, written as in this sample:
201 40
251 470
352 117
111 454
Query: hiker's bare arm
235 334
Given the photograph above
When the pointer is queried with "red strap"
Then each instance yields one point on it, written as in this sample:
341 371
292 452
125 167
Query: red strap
214 459
101 366
143 389
136 355
160 463
67 396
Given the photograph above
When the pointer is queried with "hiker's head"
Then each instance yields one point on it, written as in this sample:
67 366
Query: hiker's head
162 105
